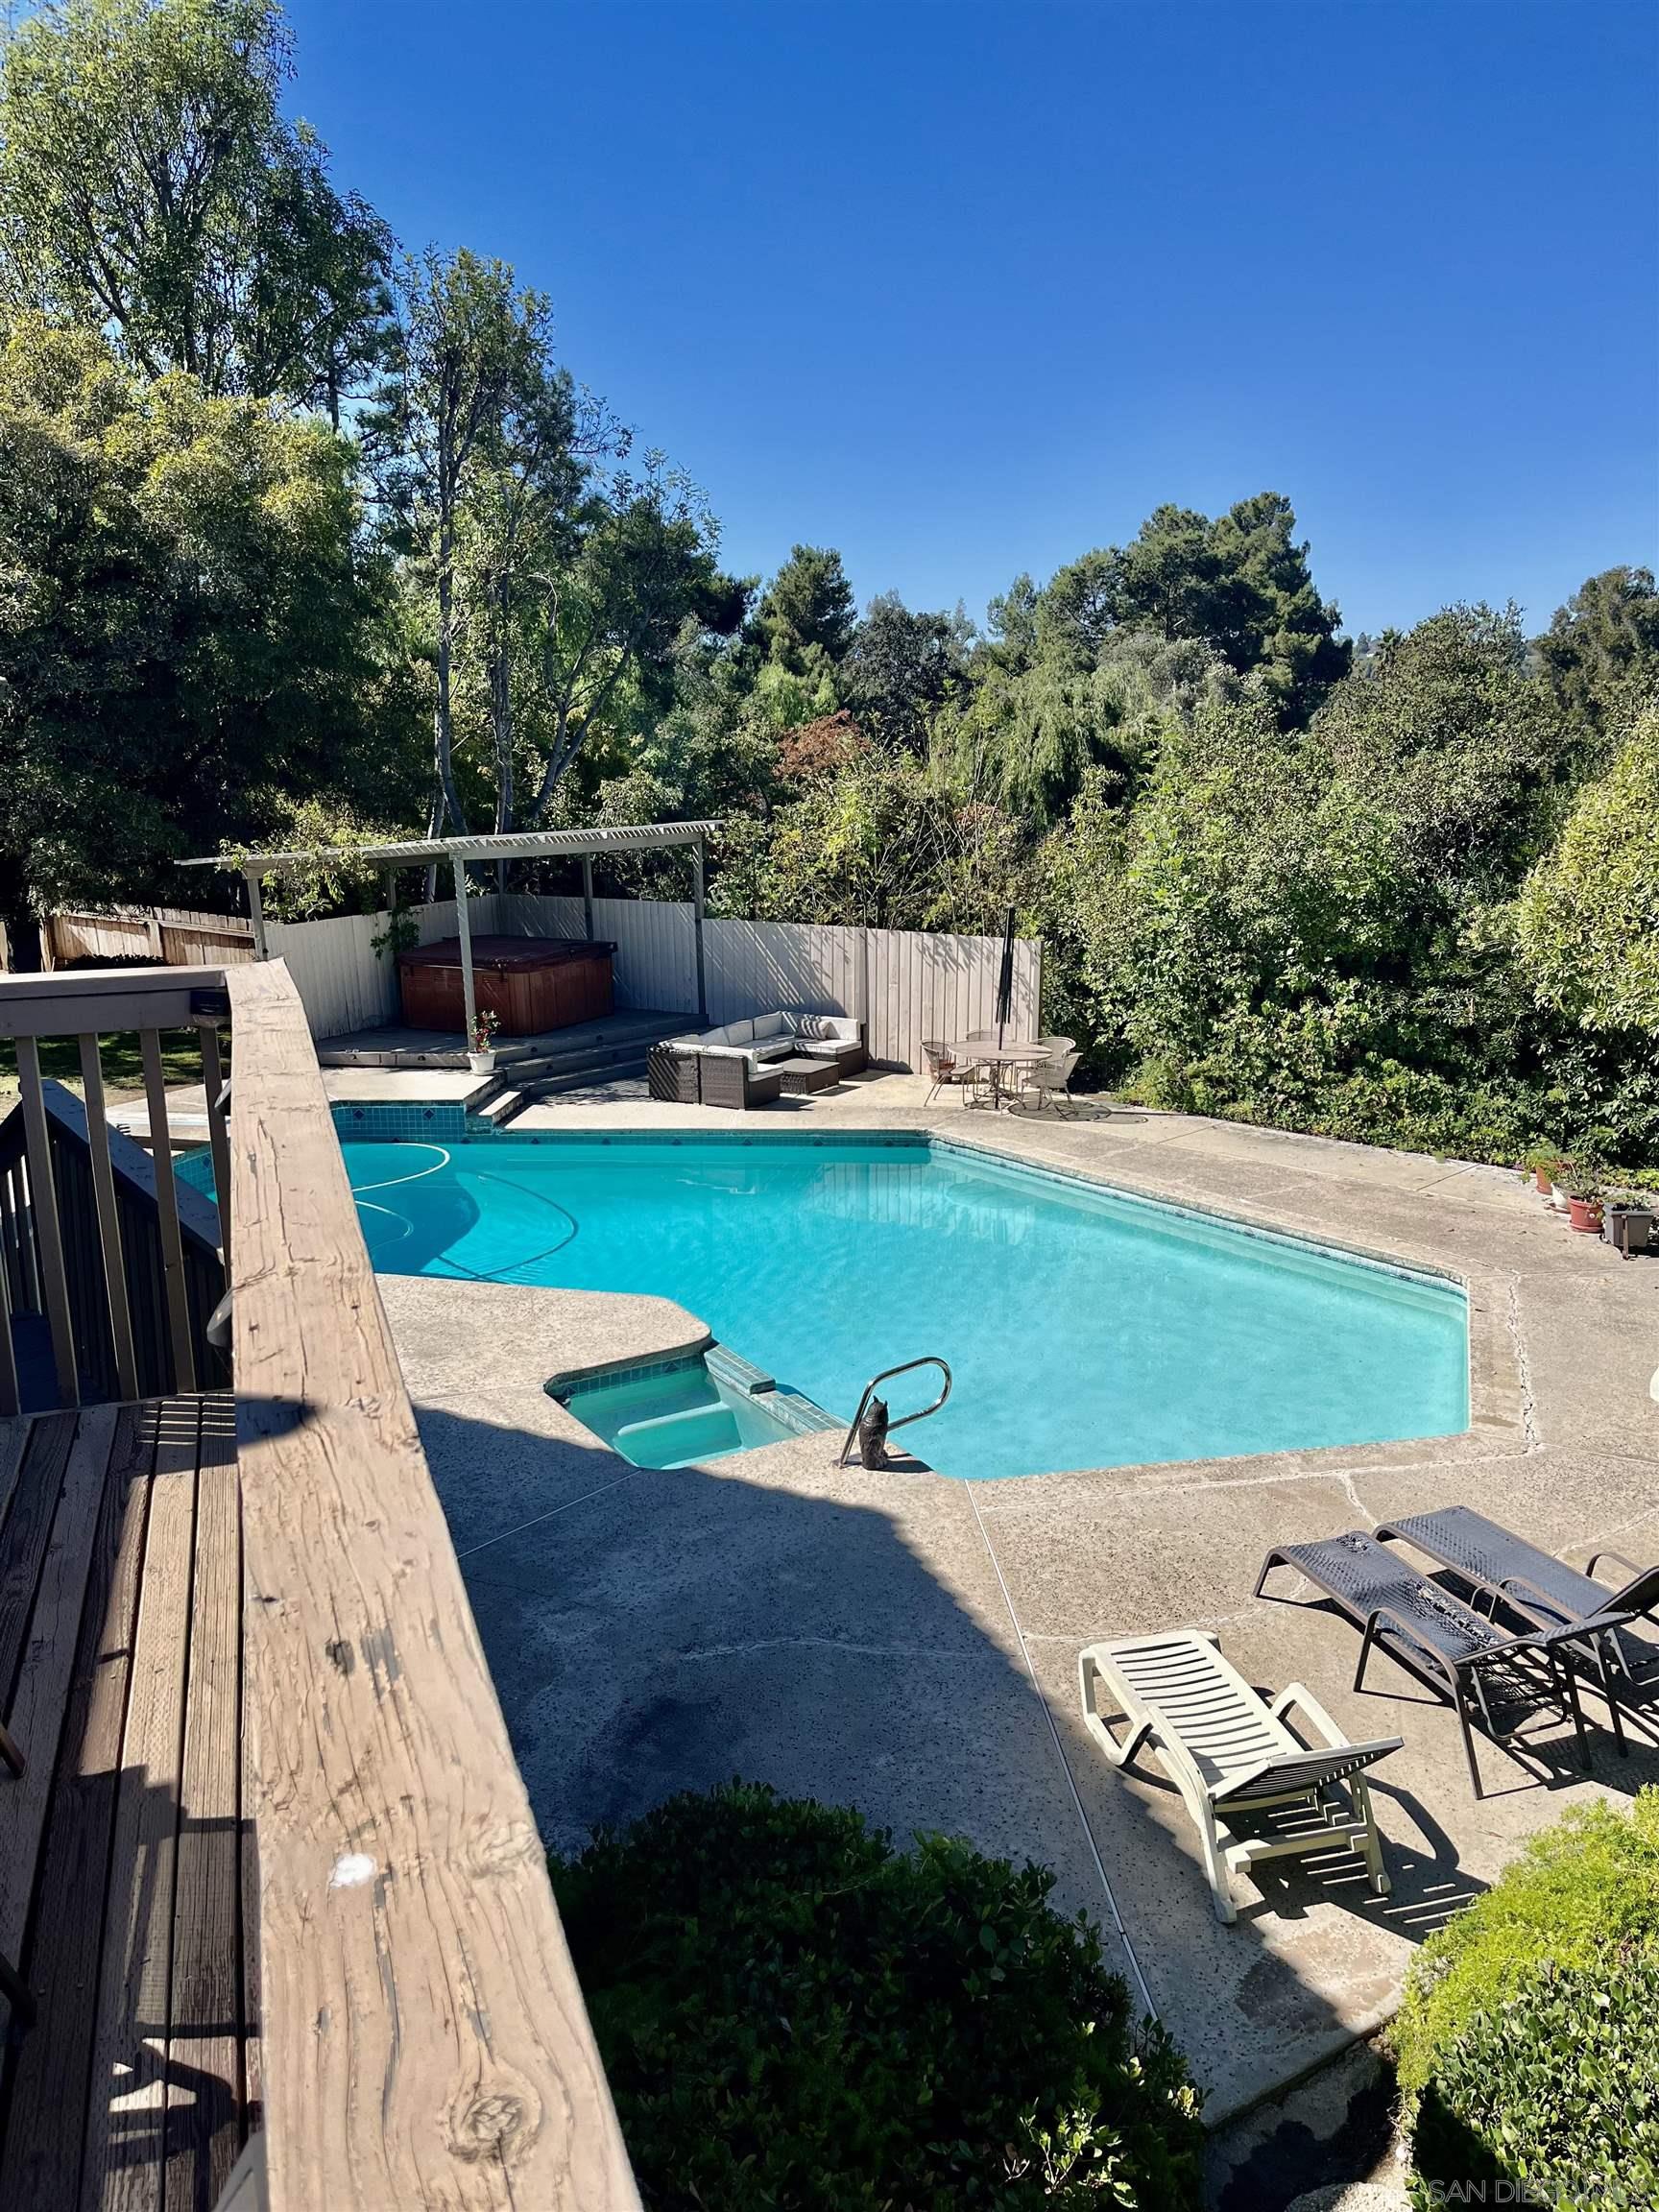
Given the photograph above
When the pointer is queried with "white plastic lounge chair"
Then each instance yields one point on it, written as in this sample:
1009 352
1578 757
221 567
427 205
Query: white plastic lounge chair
1231 1755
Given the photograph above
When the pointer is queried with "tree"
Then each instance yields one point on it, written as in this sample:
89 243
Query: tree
643 569
1243 584
1587 920
151 185
469 353
808 608
189 623
899 670
1600 653
1443 729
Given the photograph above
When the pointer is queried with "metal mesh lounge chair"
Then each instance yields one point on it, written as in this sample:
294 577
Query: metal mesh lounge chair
1541 1589
1230 1754
1479 1668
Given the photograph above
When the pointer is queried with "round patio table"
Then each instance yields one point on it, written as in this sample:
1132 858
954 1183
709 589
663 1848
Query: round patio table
982 1055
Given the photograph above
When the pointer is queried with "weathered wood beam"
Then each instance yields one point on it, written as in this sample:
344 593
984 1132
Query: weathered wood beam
424 2039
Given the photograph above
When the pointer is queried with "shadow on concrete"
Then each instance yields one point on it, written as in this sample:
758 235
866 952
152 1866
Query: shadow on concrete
845 1637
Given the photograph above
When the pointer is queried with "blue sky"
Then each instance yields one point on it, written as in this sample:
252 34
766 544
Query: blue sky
964 288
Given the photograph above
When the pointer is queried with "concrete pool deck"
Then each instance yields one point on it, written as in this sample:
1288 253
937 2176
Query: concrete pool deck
908 1642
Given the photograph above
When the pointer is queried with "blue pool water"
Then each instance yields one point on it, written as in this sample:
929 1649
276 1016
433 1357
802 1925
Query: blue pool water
1085 1328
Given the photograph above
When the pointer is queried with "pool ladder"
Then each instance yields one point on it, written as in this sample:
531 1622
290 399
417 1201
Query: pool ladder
929 1359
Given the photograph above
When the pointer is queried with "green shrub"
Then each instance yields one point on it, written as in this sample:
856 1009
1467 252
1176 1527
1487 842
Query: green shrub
1529 2038
794 2014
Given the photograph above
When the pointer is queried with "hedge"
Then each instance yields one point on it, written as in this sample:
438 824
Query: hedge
1529 2038
792 2013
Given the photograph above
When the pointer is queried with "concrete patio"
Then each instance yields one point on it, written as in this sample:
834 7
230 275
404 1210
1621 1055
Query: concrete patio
908 1642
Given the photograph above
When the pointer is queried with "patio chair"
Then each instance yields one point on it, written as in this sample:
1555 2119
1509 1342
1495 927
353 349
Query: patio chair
1476 1666
1047 1079
1232 1757
942 1069
1541 1589
977 1075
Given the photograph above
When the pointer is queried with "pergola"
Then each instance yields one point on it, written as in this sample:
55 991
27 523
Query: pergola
583 844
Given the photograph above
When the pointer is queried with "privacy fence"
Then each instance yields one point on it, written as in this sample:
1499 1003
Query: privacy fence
904 984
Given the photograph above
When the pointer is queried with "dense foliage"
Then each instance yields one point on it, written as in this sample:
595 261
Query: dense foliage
792 2013
1529 2039
292 519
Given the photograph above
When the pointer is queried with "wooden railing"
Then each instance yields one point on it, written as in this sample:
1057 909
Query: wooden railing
96 1239
422 2038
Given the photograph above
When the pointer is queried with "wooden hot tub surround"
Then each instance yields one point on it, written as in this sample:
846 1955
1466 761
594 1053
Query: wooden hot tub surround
530 985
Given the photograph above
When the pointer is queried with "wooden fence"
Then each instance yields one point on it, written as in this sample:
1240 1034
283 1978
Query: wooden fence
904 984
172 936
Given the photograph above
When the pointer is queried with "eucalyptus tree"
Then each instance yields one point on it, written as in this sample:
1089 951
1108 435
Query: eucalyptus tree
469 373
150 184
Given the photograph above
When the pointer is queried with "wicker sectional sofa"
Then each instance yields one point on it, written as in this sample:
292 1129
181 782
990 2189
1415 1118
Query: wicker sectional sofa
752 1063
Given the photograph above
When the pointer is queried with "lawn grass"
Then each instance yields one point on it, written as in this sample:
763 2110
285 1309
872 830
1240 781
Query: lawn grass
122 1063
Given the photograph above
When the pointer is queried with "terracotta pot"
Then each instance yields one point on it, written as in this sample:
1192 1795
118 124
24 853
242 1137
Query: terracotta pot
1541 1181
1585 1216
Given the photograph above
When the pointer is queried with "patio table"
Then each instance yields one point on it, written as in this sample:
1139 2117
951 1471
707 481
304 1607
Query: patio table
982 1055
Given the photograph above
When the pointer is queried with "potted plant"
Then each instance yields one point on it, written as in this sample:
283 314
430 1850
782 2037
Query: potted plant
1585 1204
481 1058
1544 1162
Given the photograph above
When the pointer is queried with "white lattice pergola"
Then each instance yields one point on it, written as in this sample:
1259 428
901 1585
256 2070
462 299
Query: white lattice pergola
583 844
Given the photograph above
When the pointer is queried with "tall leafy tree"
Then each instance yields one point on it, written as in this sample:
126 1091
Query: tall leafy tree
150 184
1243 584
469 361
189 623
807 609
1600 653
901 668
641 581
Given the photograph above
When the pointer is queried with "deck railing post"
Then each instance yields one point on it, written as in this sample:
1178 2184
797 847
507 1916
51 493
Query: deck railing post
109 1220
48 1234
11 1397
167 1214
218 1136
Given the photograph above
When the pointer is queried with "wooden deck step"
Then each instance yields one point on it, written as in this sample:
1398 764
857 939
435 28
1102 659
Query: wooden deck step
122 1848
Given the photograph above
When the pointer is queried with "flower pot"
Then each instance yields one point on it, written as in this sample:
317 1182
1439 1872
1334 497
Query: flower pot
1585 1216
481 1063
1541 1180
1558 1200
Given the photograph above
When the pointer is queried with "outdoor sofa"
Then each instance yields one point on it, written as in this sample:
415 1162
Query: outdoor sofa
753 1062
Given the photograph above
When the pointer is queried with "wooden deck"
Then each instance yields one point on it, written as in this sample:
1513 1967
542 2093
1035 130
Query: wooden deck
126 1866
265 1774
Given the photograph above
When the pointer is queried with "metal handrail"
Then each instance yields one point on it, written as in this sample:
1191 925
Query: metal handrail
927 1359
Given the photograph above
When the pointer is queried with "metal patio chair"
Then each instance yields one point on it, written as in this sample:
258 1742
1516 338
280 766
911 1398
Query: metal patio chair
1232 1757
1476 1667
943 1068
1544 1590
1047 1079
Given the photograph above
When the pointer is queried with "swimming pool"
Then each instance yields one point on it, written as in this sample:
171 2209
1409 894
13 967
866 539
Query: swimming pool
1085 1328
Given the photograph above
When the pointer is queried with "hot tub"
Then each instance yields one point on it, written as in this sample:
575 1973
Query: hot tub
531 984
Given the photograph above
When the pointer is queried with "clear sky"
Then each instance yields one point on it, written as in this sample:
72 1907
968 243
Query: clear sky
964 288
